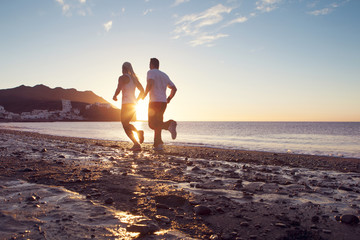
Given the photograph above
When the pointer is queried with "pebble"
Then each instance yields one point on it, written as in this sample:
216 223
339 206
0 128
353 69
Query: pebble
161 206
349 219
139 228
195 169
282 225
315 219
32 198
214 237
26 170
202 210
109 201
162 218
244 224
345 188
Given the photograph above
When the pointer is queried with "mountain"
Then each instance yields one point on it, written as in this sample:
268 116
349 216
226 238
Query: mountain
40 97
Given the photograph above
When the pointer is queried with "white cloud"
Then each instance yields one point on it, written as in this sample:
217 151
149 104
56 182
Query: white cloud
193 25
70 6
178 2
267 5
147 11
237 20
108 26
328 9
323 11
206 39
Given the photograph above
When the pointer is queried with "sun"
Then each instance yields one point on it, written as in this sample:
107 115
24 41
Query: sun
142 110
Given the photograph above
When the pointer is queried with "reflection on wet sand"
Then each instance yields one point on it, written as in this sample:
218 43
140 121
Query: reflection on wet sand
96 189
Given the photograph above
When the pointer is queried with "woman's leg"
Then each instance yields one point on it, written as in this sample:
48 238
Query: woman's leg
127 113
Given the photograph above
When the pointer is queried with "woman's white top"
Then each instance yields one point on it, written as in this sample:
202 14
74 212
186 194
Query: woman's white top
128 91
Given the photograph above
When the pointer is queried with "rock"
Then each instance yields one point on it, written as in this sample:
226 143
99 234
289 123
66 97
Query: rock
326 231
161 206
349 219
282 225
170 200
162 218
32 198
139 228
337 218
345 188
85 170
214 237
227 236
195 169
43 150
109 201
244 224
313 227
26 170
202 210
61 156
315 219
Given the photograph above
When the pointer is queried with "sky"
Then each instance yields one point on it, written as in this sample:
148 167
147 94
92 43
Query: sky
231 60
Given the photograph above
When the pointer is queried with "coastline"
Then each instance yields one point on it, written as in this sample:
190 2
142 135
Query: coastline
203 193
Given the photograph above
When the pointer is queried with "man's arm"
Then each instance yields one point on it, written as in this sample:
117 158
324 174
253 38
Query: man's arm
172 93
149 85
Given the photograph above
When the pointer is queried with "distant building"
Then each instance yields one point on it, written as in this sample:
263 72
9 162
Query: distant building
66 106
104 105
76 111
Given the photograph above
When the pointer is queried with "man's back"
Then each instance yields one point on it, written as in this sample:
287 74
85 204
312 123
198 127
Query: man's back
160 82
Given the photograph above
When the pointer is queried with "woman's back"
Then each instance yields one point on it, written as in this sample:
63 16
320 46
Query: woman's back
128 91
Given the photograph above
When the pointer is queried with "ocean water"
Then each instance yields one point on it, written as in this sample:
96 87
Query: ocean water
317 138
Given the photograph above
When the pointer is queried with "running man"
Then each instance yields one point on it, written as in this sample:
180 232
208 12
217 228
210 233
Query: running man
157 83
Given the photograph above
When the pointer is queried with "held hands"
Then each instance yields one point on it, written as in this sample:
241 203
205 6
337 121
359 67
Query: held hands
115 98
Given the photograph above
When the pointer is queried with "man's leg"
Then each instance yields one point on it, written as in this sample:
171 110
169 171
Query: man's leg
156 116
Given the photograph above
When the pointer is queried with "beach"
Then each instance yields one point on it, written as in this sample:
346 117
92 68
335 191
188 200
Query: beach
54 187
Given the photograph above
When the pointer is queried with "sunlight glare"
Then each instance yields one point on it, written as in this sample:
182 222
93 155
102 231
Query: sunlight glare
142 110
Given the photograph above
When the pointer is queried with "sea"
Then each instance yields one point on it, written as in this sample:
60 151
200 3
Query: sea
339 139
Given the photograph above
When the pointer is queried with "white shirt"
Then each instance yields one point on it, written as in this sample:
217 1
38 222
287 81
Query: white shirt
128 91
161 82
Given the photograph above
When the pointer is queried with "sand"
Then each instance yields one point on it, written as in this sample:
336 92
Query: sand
55 187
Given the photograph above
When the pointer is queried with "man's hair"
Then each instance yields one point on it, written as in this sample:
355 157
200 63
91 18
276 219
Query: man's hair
155 62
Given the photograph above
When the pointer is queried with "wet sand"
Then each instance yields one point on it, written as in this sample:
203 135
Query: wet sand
72 188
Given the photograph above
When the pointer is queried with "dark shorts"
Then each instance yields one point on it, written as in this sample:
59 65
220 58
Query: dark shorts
127 112
156 114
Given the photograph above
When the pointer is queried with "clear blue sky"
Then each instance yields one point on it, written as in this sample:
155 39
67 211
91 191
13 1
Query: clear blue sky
245 60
